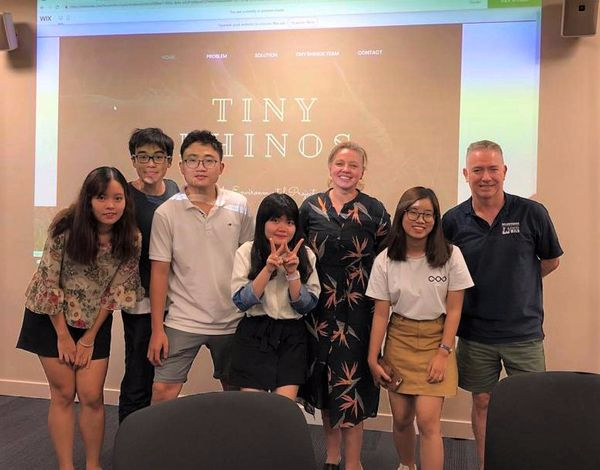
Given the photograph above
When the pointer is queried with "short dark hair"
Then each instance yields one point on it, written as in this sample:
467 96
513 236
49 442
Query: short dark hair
437 249
203 137
272 206
150 136
81 224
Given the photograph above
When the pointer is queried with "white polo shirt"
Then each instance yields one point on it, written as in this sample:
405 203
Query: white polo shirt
415 289
201 250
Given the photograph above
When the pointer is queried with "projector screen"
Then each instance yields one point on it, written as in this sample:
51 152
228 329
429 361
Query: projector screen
281 82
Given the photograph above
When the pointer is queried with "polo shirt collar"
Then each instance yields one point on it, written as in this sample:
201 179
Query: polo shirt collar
467 206
219 202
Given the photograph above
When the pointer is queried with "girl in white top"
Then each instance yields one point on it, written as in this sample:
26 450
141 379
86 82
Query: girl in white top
275 286
422 278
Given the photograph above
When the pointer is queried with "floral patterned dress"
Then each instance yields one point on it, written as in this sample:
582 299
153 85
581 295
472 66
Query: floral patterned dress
339 328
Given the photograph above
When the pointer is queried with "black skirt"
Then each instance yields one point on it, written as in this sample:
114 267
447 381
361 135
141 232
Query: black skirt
39 336
267 353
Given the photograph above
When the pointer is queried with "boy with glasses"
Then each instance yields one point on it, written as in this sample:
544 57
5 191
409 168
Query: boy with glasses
194 239
151 153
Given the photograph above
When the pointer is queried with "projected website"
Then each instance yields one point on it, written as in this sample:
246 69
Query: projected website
281 83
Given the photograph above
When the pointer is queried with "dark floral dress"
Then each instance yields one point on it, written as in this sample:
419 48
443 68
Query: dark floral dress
339 328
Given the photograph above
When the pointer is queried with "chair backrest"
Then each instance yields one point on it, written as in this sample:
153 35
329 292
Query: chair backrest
216 431
544 420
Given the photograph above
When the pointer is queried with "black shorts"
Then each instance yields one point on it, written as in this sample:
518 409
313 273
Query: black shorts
39 336
268 353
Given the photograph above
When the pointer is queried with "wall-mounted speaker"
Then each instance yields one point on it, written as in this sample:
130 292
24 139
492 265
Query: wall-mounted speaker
8 37
579 17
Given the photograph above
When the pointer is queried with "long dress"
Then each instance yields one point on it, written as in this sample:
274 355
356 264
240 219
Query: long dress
339 328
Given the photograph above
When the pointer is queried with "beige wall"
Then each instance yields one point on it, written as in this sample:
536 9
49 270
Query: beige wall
569 139
569 143
17 127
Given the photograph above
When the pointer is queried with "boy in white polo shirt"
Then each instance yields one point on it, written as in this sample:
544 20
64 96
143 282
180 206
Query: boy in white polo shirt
194 238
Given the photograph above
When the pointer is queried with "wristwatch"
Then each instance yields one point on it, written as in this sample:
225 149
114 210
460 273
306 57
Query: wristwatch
446 348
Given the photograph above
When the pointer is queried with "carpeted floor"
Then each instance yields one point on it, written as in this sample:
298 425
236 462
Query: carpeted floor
25 443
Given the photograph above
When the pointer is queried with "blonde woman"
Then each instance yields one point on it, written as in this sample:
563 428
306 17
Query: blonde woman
345 228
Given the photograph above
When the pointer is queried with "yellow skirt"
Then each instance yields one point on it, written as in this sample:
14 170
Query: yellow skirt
409 347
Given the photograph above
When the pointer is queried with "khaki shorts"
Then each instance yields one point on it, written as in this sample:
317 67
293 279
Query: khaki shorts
479 364
183 348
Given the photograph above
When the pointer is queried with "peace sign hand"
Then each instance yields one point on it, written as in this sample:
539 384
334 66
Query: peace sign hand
275 259
290 258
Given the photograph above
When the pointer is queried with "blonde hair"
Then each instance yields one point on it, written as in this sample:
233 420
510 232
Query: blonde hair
350 146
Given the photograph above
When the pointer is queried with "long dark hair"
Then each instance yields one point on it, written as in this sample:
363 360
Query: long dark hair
437 249
273 206
82 227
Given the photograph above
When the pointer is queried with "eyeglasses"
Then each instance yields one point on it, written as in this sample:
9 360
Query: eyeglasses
157 158
414 215
193 162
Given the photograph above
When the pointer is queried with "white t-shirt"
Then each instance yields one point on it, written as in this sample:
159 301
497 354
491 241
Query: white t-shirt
200 250
414 289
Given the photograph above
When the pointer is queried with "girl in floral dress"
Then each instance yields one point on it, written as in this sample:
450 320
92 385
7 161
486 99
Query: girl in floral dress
89 268
345 228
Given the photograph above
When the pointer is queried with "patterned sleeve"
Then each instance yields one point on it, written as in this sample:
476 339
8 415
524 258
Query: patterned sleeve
383 227
125 288
304 224
45 294
303 219
309 292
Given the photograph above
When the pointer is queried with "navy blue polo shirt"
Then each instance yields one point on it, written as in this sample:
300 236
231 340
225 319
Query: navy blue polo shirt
505 305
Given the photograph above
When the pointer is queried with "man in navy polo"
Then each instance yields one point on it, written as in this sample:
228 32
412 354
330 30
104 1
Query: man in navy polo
509 244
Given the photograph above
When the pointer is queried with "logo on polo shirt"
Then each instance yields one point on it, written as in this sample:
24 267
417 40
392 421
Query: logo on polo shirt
510 227
437 278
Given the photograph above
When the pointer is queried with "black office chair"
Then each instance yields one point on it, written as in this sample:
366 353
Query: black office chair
545 420
216 431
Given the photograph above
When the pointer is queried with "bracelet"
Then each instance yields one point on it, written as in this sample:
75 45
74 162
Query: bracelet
292 277
446 348
86 345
